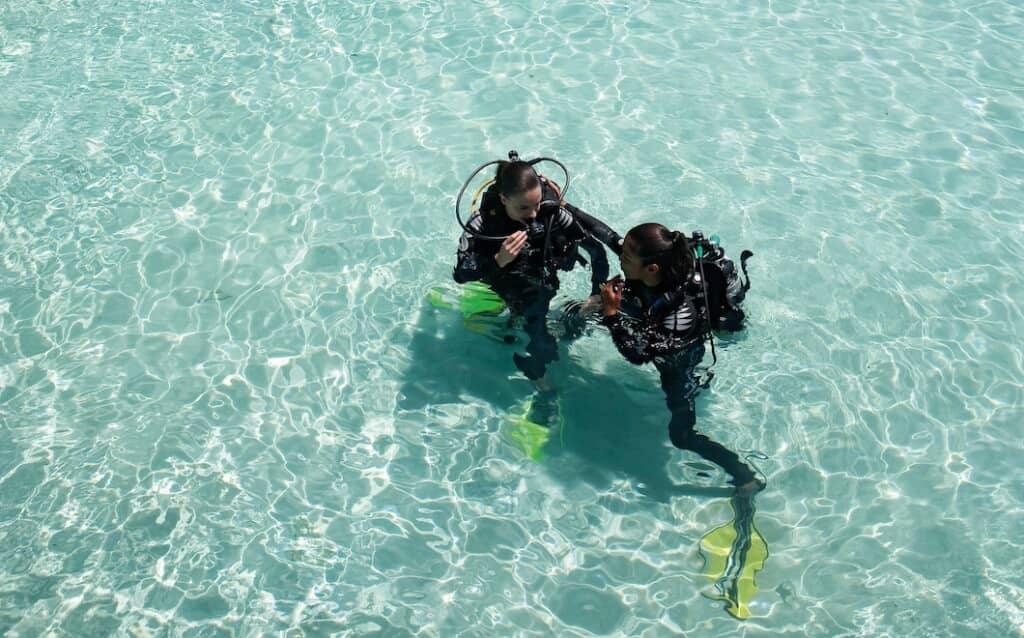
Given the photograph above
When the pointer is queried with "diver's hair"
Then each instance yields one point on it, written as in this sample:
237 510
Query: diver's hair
513 178
670 249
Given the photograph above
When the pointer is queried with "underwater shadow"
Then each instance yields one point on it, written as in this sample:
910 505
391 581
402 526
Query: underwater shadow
617 424
448 363
614 423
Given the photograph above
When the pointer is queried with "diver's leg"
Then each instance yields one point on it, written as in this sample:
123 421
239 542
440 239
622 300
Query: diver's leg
542 348
681 387
530 304
683 435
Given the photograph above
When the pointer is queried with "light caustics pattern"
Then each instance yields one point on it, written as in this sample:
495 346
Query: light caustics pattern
228 407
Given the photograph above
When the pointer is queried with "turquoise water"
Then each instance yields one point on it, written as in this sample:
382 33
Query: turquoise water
227 409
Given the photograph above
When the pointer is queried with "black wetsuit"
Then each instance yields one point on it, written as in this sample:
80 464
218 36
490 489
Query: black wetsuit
672 339
530 281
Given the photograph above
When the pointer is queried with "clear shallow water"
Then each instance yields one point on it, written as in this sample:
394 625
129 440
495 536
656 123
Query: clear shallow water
226 408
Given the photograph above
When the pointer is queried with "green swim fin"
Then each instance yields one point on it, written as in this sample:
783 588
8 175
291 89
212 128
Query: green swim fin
480 308
474 298
479 299
733 554
532 429
438 299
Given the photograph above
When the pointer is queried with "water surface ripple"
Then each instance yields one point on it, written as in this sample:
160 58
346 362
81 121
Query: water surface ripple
226 408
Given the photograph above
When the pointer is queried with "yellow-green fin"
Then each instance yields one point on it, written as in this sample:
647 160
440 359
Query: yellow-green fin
532 428
733 555
478 298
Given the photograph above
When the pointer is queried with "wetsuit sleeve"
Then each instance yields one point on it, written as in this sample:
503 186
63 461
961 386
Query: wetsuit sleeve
641 341
475 256
589 224
597 229
599 269
564 223
592 233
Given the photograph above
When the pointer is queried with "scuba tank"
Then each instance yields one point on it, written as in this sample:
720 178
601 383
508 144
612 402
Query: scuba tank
716 288
714 284
717 285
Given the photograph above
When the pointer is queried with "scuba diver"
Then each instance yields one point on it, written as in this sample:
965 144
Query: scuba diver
678 289
523 233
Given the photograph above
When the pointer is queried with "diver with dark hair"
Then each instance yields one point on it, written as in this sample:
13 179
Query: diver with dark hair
676 291
516 242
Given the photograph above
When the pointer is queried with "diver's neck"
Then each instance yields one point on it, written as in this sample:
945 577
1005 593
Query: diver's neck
651 280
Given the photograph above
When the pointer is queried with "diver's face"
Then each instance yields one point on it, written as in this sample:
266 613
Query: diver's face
523 207
633 266
631 263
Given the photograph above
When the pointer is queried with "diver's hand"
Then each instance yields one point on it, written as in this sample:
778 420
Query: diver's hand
611 296
510 248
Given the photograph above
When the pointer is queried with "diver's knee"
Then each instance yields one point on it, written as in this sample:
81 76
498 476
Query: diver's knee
533 368
544 347
682 438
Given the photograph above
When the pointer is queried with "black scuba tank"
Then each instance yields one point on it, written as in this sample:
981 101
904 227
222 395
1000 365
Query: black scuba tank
718 285
714 285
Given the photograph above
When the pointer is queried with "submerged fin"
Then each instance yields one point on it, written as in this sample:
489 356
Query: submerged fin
478 298
529 437
488 327
733 554
473 299
437 298
533 428
479 306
